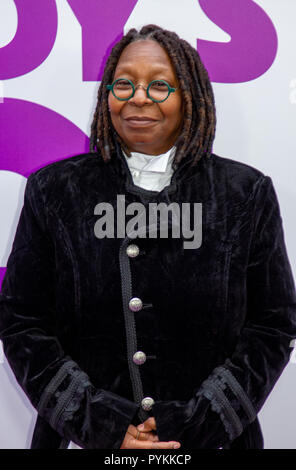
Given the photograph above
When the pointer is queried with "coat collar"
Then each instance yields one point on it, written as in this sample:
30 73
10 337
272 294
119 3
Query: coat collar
120 170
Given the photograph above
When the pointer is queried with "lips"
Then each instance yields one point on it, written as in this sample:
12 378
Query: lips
140 121
139 118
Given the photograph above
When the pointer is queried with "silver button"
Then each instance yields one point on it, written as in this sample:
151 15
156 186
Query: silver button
132 251
135 304
139 358
147 403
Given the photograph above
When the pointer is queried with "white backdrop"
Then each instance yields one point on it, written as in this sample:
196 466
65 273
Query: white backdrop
256 124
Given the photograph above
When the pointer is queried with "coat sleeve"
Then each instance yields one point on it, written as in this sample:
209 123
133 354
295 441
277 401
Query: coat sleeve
56 386
231 397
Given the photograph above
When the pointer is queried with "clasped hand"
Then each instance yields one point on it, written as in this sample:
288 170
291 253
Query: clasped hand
144 437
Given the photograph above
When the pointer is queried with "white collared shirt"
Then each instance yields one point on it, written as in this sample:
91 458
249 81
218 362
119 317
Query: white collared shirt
152 172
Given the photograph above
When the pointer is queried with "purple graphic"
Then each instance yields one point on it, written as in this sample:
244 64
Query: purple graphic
253 45
31 136
248 55
34 38
102 25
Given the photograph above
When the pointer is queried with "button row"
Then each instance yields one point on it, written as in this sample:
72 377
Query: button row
139 358
136 304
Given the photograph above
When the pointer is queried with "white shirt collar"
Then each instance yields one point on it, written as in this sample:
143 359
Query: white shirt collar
151 163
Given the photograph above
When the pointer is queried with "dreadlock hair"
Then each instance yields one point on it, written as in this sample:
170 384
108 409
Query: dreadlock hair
199 121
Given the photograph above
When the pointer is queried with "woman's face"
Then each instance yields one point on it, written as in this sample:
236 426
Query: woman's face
146 126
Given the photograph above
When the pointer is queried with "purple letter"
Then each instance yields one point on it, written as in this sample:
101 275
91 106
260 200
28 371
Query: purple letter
32 136
34 38
253 44
102 25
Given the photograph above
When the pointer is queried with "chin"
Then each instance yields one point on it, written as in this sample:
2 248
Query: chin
139 141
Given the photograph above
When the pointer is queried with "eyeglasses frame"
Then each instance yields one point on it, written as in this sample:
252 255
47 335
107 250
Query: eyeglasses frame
171 89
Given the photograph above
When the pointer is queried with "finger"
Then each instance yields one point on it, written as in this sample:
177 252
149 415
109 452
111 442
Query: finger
132 430
135 444
130 442
146 436
141 436
148 425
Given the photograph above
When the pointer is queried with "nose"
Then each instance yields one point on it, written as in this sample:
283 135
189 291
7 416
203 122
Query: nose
140 97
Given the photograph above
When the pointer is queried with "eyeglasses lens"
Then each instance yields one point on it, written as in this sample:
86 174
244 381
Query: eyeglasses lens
158 90
123 89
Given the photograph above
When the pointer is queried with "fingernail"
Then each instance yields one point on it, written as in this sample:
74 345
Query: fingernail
177 446
141 427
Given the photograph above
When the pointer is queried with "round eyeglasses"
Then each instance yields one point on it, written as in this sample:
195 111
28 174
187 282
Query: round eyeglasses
158 90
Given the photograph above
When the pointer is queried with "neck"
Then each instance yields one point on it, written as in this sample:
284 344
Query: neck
148 150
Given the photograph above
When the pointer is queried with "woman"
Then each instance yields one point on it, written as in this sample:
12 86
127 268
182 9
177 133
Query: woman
135 340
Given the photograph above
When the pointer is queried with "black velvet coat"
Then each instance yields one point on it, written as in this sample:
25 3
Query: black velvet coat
216 321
